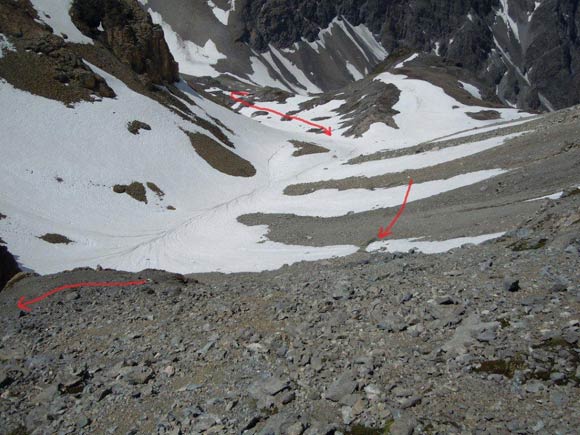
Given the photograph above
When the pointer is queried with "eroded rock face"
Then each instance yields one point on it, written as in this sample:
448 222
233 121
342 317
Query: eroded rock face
130 34
8 266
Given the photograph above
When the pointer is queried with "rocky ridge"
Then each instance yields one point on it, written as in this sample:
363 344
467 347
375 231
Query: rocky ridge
529 58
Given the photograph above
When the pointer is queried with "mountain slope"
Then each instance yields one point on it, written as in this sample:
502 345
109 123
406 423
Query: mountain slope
524 52
122 167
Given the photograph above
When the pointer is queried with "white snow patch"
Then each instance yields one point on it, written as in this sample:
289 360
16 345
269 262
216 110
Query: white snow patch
504 14
409 59
296 72
556 195
5 45
429 247
473 90
354 72
60 21
437 48
220 14
261 76
371 42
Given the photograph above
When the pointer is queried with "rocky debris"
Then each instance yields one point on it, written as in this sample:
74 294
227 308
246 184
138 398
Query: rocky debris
306 148
128 31
8 268
373 343
135 126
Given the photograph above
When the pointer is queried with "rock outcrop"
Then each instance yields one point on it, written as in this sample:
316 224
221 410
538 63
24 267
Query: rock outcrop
41 62
8 266
127 30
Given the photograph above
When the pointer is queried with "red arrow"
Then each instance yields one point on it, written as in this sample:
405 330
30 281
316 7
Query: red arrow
24 305
387 231
327 130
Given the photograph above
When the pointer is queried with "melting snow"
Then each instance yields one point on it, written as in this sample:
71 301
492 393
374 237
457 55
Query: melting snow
428 247
354 72
504 13
471 89
222 15
409 59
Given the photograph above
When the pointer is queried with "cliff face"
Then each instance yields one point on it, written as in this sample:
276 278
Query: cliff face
528 52
127 30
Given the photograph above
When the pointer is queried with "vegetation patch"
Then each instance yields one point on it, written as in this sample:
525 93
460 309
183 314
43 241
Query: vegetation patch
504 367
526 245
135 190
364 430
135 126
56 239
219 157
305 148
160 193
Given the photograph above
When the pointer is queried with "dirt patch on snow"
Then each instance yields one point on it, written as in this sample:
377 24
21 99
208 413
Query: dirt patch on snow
135 126
219 157
306 148
56 239
484 115
135 190
160 193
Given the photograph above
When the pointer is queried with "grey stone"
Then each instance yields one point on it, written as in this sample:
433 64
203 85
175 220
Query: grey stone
137 375
511 284
343 386
393 323
403 426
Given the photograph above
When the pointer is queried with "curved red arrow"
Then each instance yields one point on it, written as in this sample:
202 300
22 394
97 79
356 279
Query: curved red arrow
24 305
327 130
387 231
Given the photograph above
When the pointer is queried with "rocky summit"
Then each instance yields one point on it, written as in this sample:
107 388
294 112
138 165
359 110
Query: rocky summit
264 217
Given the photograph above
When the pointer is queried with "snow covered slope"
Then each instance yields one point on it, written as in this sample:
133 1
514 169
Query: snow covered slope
81 188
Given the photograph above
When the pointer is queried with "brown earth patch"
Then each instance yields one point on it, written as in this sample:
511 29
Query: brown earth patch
42 75
219 157
135 190
43 63
56 239
305 148
213 129
160 193
484 115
